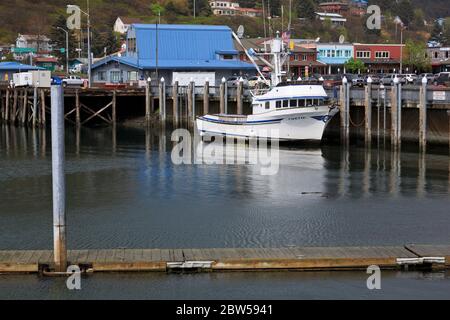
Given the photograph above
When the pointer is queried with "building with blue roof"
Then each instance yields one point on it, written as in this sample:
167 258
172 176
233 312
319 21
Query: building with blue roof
157 51
7 69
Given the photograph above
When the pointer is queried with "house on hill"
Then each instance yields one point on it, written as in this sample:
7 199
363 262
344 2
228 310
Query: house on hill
157 51
122 24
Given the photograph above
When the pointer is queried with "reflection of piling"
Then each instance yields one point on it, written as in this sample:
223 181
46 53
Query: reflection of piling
59 224
35 105
423 116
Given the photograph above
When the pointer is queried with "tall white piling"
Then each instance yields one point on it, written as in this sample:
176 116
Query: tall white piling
423 115
59 183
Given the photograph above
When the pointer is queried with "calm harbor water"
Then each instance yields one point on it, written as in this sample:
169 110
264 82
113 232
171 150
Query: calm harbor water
123 191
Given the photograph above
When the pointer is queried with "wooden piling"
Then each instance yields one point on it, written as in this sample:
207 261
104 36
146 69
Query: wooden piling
147 103
7 105
24 107
35 106
368 114
344 107
239 97
222 98
114 109
14 107
43 106
162 100
206 98
190 101
396 110
423 117
77 109
175 104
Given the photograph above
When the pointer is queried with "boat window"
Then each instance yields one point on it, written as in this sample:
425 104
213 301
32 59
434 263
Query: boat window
309 102
293 103
278 104
285 103
301 103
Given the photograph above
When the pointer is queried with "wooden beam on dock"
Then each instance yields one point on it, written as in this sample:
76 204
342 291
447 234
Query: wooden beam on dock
206 98
175 104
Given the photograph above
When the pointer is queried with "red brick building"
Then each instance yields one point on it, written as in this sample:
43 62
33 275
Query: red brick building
303 61
379 58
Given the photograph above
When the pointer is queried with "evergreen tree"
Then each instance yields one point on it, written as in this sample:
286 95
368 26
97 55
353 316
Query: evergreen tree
58 39
306 9
437 32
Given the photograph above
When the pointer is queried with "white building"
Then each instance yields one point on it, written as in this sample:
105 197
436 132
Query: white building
224 7
122 24
335 18
39 43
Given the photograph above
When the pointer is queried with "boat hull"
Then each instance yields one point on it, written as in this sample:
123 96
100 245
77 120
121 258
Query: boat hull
287 125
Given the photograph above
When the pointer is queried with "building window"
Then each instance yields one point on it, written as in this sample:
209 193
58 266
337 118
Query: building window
102 76
363 54
132 76
115 76
382 54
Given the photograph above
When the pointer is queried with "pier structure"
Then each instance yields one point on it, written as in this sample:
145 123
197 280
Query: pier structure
397 113
406 257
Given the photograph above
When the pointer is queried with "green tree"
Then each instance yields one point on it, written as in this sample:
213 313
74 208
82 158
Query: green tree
354 66
306 9
416 56
202 7
58 39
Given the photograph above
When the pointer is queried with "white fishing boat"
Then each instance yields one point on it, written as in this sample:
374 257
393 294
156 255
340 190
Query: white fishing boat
294 110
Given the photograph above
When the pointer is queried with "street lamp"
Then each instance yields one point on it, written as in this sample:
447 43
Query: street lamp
67 48
71 6
399 22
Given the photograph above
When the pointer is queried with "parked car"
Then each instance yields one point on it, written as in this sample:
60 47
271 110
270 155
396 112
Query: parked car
442 79
388 79
375 79
56 81
73 81
358 81
234 81
430 78
409 78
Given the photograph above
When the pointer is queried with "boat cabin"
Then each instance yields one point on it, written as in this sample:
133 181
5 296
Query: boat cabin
289 97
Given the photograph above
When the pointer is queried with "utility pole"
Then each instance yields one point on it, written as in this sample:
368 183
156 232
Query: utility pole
89 46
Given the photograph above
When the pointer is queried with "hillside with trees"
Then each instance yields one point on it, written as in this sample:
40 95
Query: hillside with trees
42 16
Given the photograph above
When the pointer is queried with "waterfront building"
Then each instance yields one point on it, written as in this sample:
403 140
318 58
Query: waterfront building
334 55
303 62
157 51
440 58
7 70
379 58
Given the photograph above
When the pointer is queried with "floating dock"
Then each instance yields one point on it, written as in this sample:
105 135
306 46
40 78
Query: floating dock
248 259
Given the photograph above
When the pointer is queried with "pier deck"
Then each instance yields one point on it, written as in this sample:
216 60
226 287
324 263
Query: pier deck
249 259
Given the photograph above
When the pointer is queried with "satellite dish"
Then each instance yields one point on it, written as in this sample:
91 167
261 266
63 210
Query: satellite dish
240 32
341 39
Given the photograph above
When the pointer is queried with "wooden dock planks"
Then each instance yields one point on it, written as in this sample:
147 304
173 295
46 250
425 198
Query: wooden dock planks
289 258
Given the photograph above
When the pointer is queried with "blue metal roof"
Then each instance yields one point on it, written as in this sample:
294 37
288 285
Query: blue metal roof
181 47
16 66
